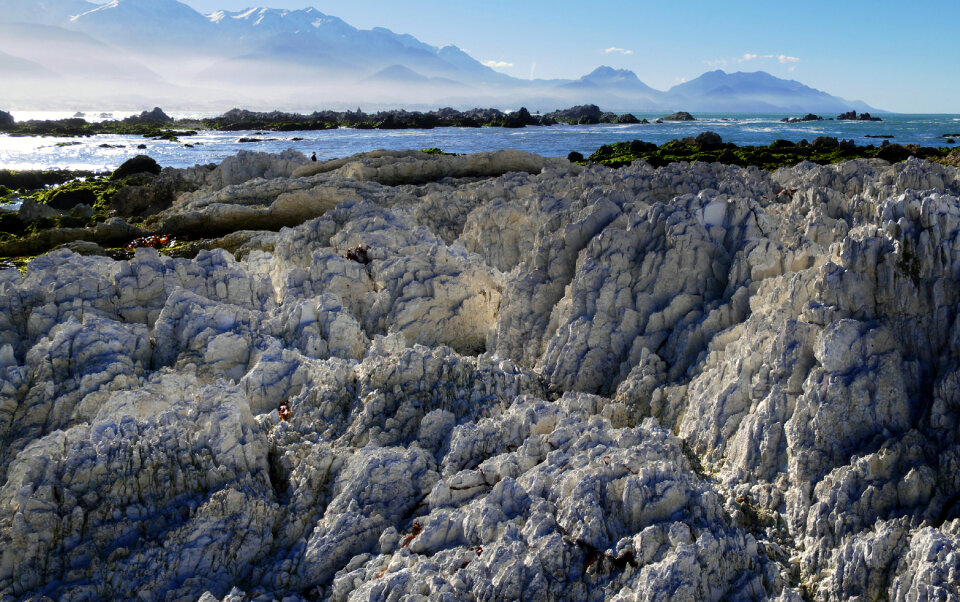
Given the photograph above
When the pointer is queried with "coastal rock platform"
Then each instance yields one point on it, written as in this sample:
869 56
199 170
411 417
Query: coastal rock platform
496 377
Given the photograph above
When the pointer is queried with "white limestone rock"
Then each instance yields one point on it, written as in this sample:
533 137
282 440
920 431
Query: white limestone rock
539 381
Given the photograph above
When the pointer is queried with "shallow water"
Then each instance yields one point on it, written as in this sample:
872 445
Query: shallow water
555 141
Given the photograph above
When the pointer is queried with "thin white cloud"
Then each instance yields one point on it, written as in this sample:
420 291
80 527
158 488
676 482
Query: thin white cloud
783 58
613 49
497 64
716 63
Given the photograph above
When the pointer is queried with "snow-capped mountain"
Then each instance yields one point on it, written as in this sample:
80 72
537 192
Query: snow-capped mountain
274 55
46 12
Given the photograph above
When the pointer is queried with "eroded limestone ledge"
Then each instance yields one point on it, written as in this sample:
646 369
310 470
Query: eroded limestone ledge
540 381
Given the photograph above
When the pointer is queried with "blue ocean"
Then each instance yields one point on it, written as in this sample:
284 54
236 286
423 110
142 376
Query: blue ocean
106 152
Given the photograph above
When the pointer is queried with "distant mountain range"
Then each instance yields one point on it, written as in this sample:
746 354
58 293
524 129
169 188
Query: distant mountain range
65 53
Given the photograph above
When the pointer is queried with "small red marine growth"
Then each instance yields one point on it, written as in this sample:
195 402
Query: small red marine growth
284 411
477 549
358 254
414 531
157 241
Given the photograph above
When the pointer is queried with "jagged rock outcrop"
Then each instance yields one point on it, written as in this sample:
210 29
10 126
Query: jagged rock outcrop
679 116
154 116
502 377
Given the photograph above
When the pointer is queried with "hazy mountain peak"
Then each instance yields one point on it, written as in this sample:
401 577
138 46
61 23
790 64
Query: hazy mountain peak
754 91
605 79
228 50
606 72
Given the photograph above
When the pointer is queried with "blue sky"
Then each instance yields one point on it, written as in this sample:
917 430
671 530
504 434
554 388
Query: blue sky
900 56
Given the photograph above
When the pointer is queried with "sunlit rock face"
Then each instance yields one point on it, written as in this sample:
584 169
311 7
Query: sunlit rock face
507 378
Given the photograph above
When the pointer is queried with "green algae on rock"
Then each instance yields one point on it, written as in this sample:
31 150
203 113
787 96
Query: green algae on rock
780 153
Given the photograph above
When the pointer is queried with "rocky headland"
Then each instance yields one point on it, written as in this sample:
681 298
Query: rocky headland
494 376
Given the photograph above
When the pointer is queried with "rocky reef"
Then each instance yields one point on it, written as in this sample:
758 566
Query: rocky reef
496 377
807 117
710 147
852 116
157 124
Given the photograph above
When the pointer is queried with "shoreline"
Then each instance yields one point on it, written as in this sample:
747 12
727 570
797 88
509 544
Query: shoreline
114 210
157 124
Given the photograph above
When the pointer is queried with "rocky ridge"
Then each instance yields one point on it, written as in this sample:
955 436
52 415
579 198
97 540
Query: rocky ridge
538 381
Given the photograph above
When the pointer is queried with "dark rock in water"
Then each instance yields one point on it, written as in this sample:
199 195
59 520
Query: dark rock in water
709 141
893 153
6 120
139 164
524 115
627 118
141 146
659 121
246 140
807 117
574 156
79 115
852 116
824 142
580 114
679 116
518 119
69 198
950 141
155 116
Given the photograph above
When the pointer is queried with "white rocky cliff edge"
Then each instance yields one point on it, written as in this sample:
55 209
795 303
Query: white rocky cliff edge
538 382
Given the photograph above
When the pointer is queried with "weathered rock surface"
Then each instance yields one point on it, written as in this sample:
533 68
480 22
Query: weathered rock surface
537 381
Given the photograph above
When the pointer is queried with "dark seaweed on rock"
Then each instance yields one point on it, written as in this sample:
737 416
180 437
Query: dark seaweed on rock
709 147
